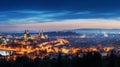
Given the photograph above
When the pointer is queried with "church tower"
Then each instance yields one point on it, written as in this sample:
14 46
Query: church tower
41 35
26 35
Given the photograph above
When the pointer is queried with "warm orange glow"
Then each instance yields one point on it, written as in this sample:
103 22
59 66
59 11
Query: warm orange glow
45 48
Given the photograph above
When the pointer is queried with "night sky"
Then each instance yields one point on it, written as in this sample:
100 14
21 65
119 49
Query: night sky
53 15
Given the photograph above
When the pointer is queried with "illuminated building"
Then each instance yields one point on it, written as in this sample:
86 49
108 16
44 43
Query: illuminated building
26 35
4 41
42 36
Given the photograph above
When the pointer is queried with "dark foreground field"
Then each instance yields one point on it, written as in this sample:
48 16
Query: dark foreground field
90 59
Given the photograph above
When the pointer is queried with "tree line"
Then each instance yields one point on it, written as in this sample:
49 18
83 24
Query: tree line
90 59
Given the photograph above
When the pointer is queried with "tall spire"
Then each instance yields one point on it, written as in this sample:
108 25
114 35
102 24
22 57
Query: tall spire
25 31
42 33
26 34
39 34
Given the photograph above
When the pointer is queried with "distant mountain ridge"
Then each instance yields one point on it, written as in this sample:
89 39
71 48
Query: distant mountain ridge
95 30
81 30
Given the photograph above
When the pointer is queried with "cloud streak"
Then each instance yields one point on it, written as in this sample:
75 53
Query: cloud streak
31 16
64 25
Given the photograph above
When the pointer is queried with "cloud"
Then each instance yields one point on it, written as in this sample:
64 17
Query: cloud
32 16
29 16
63 25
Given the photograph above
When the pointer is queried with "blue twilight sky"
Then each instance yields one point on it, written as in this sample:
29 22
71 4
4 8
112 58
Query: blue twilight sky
50 15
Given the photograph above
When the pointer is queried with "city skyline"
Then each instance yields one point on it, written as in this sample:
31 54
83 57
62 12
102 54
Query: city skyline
58 15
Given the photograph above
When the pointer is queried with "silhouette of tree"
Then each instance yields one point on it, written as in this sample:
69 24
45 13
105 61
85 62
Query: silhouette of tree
112 58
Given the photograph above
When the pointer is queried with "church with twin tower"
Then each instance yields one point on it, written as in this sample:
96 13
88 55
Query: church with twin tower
41 35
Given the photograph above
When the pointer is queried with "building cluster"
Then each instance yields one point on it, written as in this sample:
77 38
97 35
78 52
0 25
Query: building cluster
42 46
